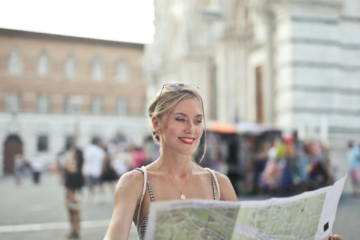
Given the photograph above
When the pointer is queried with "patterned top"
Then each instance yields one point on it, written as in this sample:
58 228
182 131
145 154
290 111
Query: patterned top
142 229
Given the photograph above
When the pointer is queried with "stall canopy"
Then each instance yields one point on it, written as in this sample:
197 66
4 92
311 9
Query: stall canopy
249 127
222 127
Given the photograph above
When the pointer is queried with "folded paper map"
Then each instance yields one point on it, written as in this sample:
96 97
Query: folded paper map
308 216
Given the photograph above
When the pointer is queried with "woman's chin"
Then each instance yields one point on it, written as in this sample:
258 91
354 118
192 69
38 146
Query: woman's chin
186 152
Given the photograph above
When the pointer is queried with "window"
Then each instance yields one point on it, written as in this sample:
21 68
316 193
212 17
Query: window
42 143
72 104
96 69
15 63
70 67
122 71
43 104
13 102
122 107
69 142
96 106
43 65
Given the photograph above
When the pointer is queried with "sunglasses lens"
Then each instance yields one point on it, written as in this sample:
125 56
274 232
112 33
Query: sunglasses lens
172 87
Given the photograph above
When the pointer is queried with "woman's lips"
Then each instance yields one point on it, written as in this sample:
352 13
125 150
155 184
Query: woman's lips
188 141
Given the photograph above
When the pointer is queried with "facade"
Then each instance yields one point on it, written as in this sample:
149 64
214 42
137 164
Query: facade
291 64
58 89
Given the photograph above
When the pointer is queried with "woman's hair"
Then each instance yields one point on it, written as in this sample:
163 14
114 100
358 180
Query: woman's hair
163 104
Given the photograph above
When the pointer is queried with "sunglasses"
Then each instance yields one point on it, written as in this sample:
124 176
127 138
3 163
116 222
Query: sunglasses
176 87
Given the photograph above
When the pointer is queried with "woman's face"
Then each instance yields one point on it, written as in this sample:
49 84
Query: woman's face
184 127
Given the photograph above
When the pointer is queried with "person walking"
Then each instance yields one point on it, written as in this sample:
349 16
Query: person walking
353 155
37 166
60 164
93 165
18 168
74 181
108 176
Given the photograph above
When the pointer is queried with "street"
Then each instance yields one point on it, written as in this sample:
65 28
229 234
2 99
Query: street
38 212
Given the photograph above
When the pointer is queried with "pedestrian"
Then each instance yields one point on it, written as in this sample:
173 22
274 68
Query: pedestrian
60 163
139 158
353 156
122 162
108 176
93 165
74 181
37 166
18 168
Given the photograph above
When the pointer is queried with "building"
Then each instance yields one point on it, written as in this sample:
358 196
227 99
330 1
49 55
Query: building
58 89
292 64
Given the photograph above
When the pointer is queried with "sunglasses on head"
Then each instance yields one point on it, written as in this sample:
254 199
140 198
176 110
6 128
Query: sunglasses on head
176 87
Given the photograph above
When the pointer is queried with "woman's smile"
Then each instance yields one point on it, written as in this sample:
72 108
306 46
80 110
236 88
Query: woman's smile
187 140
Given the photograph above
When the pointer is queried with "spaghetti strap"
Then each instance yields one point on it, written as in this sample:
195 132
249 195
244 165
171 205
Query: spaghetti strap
216 182
143 170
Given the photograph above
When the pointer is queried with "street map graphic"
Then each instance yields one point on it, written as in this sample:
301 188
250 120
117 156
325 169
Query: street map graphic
308 216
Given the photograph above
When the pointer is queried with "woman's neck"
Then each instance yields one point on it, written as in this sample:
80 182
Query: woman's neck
175 164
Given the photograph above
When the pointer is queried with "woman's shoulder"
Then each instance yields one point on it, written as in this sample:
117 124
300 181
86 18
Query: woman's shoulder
226 188
132 177
130 184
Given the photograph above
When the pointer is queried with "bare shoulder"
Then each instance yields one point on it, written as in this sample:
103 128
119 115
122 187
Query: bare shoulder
226 189
130 185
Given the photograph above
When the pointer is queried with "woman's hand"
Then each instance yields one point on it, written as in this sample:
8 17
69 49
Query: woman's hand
335 237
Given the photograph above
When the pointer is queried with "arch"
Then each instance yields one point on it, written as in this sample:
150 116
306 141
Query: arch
12 146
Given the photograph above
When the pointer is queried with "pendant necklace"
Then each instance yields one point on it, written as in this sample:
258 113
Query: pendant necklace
182 195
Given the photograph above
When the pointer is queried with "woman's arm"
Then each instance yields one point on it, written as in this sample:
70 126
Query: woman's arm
127 196
227 191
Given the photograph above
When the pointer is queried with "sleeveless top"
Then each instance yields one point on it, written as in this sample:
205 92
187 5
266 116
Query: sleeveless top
142 229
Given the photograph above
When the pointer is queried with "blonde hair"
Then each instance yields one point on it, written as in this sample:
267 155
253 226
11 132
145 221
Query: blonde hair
161 106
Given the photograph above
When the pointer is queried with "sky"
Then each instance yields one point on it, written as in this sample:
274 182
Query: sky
118 20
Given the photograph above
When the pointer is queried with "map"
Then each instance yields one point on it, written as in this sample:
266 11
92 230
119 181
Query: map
308 216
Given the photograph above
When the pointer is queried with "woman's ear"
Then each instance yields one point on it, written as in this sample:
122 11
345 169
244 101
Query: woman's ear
156 124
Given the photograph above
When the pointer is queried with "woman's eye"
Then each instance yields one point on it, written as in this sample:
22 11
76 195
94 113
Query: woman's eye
180 120
199 121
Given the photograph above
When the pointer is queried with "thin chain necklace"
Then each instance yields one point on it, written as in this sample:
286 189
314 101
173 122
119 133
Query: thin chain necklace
182 195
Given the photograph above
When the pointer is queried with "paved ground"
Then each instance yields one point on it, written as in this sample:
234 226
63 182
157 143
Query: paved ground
38 213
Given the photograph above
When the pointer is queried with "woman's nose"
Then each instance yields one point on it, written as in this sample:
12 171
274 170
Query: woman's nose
190 128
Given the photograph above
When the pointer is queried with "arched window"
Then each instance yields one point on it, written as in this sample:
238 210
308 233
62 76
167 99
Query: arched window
122 70
43 65
15 63
96 69
70 67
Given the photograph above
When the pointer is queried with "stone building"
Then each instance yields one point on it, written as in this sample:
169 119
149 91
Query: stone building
292 64
53 88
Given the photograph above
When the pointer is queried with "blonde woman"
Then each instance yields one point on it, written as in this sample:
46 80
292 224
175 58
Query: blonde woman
178 121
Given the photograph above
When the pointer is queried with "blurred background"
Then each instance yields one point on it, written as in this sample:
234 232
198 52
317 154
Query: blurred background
280 82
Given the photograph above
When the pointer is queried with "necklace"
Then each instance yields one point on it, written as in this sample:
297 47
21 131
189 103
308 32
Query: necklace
182 195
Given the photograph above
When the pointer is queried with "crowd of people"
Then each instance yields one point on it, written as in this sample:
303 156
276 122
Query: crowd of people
96 167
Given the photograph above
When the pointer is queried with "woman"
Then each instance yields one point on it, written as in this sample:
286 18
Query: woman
18 168
178 122
74 181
